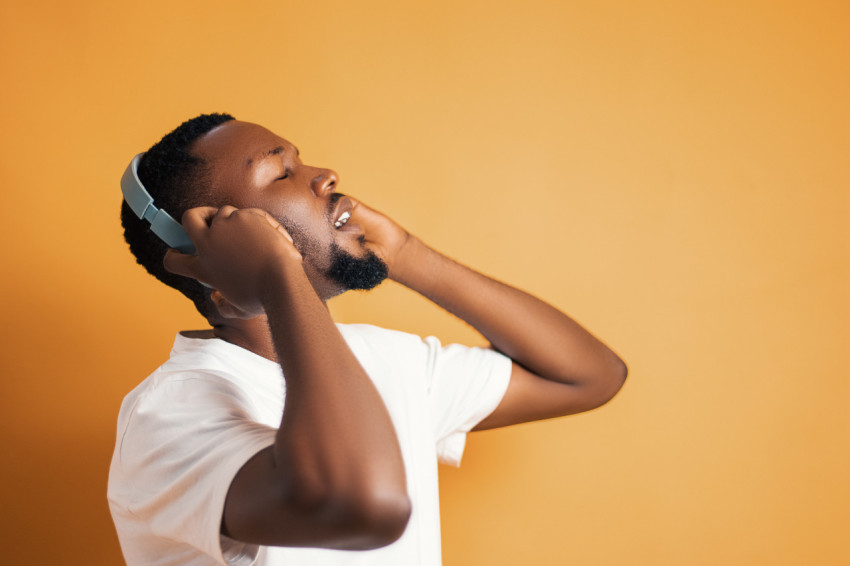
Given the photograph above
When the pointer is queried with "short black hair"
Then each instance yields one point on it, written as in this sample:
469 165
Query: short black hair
177 181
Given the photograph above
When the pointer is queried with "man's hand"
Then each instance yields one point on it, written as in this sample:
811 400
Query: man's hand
238 253
384 236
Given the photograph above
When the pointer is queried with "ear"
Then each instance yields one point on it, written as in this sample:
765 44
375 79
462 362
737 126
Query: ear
226 309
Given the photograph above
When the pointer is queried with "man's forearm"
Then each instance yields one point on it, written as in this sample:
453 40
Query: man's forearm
336 432
531 332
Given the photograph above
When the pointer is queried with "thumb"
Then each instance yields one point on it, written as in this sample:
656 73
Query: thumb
181 264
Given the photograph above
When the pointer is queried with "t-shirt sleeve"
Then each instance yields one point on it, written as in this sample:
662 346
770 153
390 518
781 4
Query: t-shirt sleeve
185 442
465 385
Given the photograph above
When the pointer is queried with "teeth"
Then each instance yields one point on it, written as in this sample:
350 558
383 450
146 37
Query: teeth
343 218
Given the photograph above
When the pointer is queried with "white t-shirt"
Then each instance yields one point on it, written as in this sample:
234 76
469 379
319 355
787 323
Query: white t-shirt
185 432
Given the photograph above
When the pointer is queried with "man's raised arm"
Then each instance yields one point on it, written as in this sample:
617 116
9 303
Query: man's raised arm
559 367
334 477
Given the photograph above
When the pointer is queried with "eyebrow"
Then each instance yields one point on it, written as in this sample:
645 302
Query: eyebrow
276 151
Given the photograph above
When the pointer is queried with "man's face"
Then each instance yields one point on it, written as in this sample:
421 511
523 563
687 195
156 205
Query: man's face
251 167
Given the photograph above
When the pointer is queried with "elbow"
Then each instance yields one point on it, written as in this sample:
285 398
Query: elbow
619 373
385 519
356 515
617 378
341 508
372 520
610 382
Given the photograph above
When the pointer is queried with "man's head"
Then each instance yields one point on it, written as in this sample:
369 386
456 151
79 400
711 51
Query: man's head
214 160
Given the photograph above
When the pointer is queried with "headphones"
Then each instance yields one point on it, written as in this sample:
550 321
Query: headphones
141 203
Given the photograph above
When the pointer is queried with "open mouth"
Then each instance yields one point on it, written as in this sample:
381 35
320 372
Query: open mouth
343 218
340 209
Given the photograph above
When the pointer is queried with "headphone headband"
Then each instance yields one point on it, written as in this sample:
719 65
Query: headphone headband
141 203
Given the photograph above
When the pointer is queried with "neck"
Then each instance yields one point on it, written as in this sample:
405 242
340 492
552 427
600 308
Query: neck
252 334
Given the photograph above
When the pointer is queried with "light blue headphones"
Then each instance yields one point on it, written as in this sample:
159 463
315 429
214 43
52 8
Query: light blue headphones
141 203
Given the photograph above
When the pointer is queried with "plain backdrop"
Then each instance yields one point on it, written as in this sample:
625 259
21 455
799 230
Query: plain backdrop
674 174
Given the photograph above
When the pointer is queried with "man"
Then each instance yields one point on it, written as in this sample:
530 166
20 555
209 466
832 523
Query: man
221 459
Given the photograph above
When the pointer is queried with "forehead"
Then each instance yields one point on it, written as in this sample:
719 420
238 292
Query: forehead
236 142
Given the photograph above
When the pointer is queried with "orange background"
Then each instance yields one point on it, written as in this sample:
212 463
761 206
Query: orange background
673 174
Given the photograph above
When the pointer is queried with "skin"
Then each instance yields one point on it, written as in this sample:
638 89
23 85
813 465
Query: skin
313 487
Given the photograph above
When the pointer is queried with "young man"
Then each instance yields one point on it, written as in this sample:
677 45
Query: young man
278 437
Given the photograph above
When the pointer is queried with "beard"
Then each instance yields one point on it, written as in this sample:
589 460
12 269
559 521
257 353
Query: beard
346 270
352 272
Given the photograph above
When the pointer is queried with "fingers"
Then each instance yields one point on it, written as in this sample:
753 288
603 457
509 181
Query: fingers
361 212
279 227
181 264
195 220
271 220
213 231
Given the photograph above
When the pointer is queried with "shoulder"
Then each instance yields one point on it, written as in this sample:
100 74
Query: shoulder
370 332
370 338
197 367
205 384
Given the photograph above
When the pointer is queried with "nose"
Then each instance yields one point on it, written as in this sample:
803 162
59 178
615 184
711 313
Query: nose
324 182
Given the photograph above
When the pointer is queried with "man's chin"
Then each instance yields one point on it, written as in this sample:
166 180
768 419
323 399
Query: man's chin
357 273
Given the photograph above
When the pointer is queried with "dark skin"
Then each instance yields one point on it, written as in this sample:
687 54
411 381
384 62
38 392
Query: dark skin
313 487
